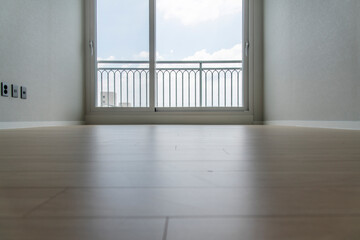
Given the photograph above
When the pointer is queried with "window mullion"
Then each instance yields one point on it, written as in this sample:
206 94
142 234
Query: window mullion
152 50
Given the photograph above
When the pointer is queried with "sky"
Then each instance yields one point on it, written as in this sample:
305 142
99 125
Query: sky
185 30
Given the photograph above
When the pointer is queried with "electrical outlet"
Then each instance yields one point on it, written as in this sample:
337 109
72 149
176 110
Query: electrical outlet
14 91
23 93
5 89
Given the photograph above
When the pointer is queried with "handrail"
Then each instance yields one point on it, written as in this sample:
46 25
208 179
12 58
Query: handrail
170 62
167 69
206 83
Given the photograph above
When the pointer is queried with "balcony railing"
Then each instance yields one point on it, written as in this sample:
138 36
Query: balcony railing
179 84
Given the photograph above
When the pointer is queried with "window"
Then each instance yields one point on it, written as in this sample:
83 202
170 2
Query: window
123 53
170 55
199 53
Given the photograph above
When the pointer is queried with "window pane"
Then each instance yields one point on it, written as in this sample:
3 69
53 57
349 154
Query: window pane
123 39
199 31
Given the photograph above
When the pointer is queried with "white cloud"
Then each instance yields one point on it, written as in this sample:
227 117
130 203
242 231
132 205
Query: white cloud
234 53
111 58
192 12
144 55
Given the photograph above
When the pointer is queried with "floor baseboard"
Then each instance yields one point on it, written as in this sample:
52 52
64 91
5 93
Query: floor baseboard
350 125
16 125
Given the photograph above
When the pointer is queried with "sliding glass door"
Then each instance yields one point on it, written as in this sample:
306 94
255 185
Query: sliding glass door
171 55
122 54
199 49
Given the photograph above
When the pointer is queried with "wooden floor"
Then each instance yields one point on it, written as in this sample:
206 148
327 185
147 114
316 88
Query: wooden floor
179 183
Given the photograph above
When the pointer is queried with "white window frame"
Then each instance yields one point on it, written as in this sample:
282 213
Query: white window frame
152 114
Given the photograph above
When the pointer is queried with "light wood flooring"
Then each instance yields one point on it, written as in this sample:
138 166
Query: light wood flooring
179 183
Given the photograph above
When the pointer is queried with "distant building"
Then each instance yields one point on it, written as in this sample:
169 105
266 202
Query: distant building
125 104
108 99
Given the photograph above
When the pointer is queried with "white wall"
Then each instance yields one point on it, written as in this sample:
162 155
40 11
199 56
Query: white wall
258 60
41 47
358 59
311 60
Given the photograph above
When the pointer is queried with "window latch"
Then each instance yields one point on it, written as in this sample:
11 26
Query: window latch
247 46
91 45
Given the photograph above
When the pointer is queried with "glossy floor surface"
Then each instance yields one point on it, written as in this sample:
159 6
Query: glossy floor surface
179 183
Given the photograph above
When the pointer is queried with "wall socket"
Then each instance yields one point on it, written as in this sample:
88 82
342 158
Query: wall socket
5 89
14 91
23 93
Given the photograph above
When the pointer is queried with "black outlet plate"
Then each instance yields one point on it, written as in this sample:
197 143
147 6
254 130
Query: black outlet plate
5 89
23 93
14 91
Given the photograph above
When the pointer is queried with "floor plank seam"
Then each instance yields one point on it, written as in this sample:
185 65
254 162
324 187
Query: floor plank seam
27 214
320 187
209 172
166 228
188 217
6 159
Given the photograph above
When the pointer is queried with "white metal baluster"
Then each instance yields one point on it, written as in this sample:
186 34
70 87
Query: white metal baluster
127 89
139 89
176 88
195 87
163 87
121 92
238 88
200 72
225 85
108 89
157 88
212 89
133 86
170 75
101 88
114 88
206 92
218 77
189 79
146 94
231 72
182 89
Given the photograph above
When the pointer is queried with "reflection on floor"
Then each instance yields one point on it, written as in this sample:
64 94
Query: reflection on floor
179 182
